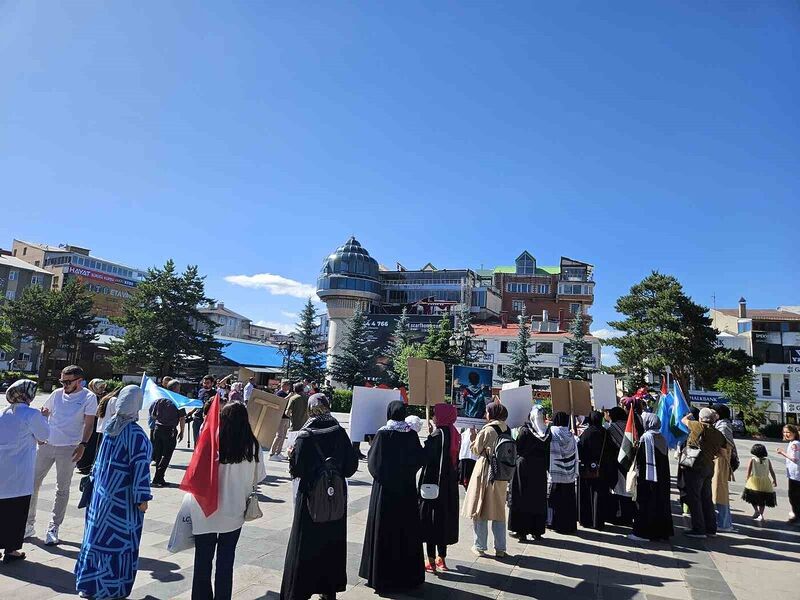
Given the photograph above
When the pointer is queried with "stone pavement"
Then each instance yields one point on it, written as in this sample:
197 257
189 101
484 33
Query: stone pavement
757 561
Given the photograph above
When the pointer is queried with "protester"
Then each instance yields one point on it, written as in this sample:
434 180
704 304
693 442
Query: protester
321 441
239 470
724 465
237 392
297 408
486 498
84 465
680 480
283 426
563 473
466 459
169 428
439 516
248 389
106 409
621 507
109 556
204 394
697 478
391 558
759 489
792 456
653 518
527 500
70 411
21 427
597 472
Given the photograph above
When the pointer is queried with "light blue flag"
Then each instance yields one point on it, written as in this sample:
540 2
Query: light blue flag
153 392
680 408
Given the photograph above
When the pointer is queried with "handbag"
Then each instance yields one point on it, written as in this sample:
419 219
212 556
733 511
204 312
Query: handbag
430 491
86 486
632 481
252 510
690 453
593 471
182 536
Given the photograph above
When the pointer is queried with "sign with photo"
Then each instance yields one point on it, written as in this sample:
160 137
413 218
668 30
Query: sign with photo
471 392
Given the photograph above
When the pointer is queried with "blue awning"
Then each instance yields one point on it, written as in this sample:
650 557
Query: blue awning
252 353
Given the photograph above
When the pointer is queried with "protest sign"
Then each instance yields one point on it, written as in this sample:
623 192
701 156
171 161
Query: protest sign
571 396
368 411
264 411
425 382
604 391
510 385
471 392
518 401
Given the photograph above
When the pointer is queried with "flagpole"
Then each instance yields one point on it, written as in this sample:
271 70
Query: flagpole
669 370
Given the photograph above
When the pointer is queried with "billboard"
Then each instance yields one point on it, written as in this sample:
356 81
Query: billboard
472 391
381 327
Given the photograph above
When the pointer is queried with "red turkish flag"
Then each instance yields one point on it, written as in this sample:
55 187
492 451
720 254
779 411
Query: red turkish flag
202 475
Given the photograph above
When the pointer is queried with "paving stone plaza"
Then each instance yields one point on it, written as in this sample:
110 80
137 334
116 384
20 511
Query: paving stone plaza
758 561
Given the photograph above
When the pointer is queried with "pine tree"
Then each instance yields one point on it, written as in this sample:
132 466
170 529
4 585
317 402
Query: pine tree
577 351
465 348
437 344
396 370
354 363
307 362
523 361
165 328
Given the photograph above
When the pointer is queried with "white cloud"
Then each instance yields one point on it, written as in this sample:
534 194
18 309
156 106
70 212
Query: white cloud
606 333
289 315
277 285
277 326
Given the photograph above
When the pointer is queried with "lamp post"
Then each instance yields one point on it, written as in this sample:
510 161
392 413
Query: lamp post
287 347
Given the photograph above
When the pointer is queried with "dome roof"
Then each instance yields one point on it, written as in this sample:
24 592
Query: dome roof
351 258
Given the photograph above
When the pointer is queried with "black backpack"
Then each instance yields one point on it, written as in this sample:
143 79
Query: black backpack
503 461
327 494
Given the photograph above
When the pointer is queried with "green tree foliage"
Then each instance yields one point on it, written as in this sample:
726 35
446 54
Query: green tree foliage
354 362
742 395
6 335
396 368
662 327
725 363
578 351
307 361
166 333
464 335
437 344
523 360
401 364
52 317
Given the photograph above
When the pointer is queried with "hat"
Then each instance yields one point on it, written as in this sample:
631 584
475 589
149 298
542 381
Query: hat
707 415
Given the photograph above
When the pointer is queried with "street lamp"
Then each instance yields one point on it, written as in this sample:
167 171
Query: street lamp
287 348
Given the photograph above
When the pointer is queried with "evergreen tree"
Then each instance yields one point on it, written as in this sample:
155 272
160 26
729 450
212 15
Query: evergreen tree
401 364
6 335
578 351
307 362
396 369
165 329
742 395
437 344
354 362
52 317
663 327
465 348
523 360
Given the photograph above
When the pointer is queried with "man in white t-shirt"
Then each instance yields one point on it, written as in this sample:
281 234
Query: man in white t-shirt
70 411
248 389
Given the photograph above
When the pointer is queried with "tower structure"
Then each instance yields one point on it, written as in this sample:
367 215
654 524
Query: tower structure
348 279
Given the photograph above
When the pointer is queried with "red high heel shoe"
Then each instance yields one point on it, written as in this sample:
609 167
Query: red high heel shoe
440 564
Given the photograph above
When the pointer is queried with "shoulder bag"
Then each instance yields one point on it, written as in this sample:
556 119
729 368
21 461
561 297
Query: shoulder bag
252 510
430 491
690 453
592 471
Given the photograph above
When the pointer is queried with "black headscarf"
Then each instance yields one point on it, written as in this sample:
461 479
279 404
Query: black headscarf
595 419
396 411
496 411
561 419
617 413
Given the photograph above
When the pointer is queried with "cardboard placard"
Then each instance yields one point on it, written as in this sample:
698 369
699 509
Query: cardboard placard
425 382
571 396
518 401
264 411
510 385
604 391
368 412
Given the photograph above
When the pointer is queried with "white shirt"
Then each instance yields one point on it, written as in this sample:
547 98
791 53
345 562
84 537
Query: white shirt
792 468
111 410
20 428
67 412
248 391
236 482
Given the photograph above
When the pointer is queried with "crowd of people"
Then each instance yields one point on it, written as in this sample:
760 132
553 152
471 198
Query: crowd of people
550 473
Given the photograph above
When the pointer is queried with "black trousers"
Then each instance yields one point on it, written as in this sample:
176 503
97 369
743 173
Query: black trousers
13 521
794 497
432 548
84 465
205 545
164 441
697 487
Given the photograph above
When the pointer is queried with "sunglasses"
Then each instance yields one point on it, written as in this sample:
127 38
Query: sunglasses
67 381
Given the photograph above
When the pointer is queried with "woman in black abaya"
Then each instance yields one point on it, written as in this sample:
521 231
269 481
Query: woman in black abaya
621 507
653 519
527 500
597 473
392 556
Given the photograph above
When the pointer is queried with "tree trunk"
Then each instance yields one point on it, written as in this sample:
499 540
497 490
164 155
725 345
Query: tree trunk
44 356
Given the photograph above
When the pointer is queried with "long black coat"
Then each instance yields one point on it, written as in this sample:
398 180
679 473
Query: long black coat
527 498
653 519
439 518
392 559
316 557
596 447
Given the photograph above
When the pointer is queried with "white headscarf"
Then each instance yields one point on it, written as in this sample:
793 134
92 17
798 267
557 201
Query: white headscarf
129 403
537 421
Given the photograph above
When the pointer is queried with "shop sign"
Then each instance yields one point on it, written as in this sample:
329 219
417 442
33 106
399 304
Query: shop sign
760 336
100 276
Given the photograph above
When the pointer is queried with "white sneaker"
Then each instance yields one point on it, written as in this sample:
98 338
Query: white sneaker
51 538
636 538
276 458
726 529
30 531
760 518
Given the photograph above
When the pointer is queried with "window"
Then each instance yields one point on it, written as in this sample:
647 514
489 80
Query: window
12 275
55 283
574 273
574 308
766 387
36 263
36 280
518 288
11 294
526 265
14 253
745 326
24 251
574 289
787 393
517 305
544 347
542 288
507 347
499 370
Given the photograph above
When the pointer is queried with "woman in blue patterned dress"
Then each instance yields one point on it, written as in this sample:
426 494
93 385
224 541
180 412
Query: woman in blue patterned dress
109 557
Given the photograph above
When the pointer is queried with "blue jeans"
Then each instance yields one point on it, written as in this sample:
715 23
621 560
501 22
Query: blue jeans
481 530
724 519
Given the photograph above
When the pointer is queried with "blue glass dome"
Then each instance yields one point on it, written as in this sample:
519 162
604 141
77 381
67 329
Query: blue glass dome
350 267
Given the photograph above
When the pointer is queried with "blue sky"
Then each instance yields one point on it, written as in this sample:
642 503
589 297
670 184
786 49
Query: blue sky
252 138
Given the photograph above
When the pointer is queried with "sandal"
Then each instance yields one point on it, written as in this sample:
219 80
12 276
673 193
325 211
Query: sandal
440 564
430 567
12 557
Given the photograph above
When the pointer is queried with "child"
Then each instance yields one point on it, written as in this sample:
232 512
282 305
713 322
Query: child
792 456
759 490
